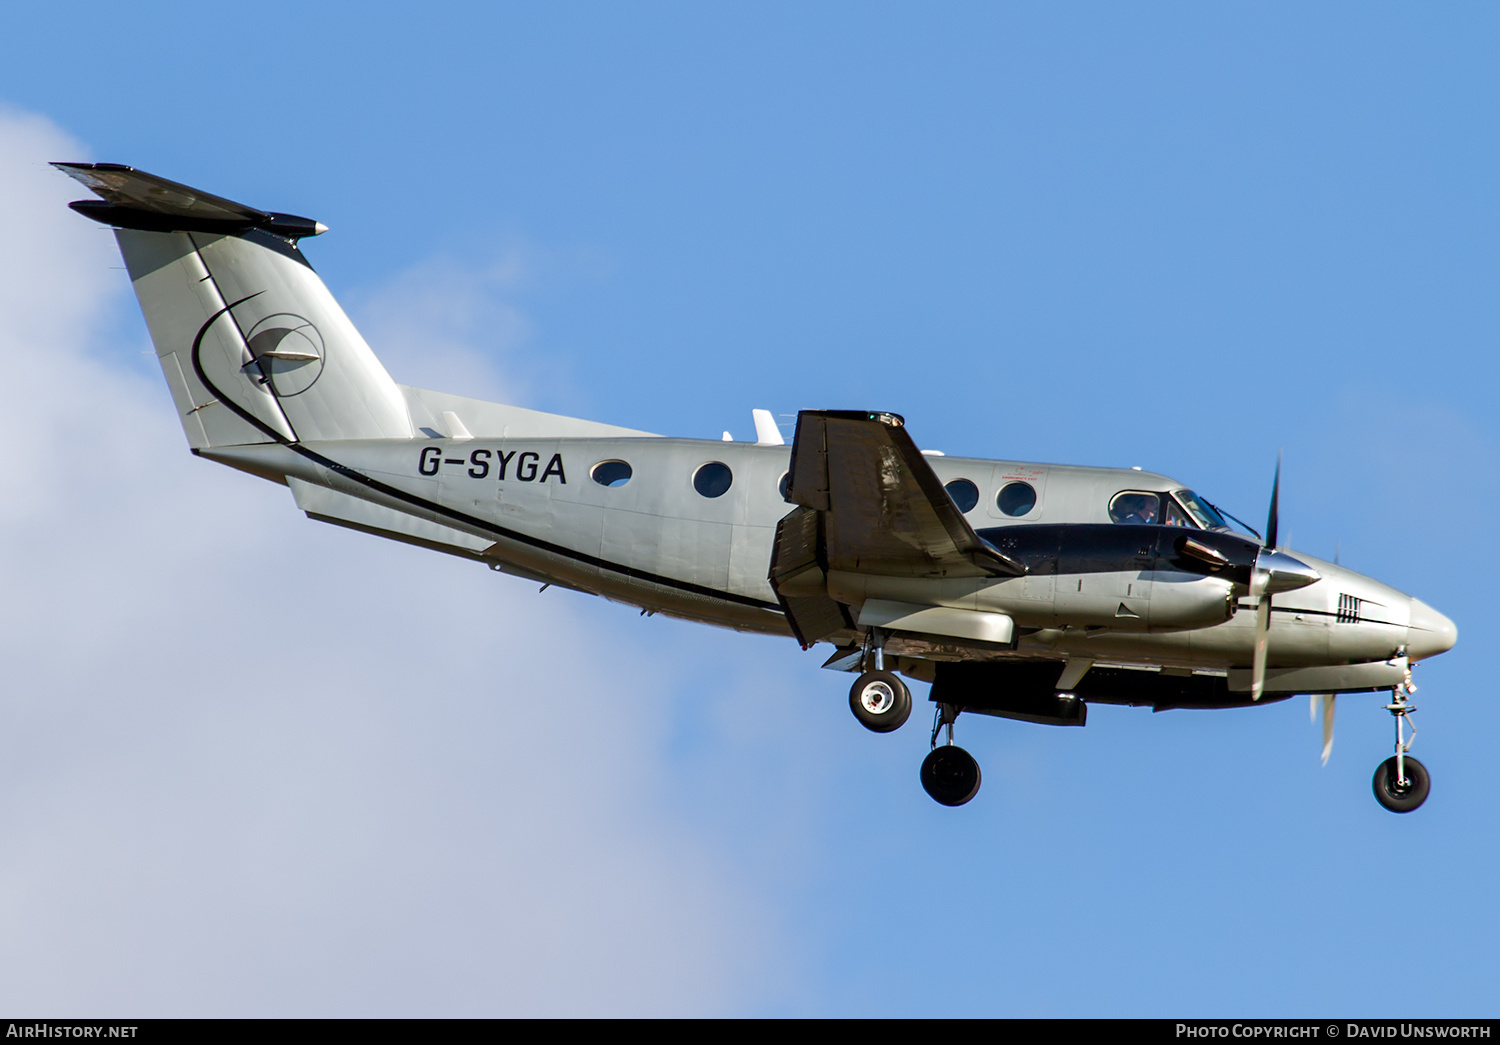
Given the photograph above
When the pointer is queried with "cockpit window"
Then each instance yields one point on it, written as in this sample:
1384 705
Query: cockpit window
1173 515
1201 510
1134 507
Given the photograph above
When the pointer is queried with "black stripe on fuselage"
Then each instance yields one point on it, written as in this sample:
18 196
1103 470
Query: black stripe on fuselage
457 516
1343 618
1077 548
527 539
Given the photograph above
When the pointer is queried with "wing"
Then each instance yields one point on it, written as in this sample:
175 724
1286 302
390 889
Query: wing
884 509
868 503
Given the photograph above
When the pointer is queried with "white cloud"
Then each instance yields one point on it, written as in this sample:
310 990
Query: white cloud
439 323
254 765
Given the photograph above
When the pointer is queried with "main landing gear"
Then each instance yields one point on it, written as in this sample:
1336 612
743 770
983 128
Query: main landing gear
878 698
949 774
1401 782
882 703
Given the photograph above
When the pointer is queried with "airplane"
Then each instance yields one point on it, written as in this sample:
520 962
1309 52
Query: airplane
1016 590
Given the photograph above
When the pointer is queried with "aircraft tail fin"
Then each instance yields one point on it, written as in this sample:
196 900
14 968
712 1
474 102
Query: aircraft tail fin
253 345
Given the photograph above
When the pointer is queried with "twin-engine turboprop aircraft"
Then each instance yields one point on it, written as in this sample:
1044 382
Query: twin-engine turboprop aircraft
1023 591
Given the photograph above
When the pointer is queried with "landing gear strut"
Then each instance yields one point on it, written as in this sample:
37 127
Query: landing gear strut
949 774
1401 782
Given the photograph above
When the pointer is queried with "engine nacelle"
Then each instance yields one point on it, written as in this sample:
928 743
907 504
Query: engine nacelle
1125 578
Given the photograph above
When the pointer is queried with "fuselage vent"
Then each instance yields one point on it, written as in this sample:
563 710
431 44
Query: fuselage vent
1348 610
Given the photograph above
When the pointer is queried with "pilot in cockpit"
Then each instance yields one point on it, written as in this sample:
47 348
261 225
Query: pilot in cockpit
1135 509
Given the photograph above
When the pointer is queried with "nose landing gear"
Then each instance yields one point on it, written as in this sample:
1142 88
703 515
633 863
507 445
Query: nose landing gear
1401 782
949 774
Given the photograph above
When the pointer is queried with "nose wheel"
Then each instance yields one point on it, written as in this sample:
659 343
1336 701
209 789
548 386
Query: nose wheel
949 773
1401 782
1401 788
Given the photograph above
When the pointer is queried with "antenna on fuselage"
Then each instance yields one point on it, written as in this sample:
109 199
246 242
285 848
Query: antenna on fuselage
766 431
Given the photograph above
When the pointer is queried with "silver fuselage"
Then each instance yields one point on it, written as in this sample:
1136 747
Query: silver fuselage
268 374
526 503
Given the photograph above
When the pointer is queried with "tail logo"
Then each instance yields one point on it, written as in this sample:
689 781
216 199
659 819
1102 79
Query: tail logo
287 354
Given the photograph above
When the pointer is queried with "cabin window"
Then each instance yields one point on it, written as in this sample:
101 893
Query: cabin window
713 479
1135 507
784 486
611 473
964 493
1016 499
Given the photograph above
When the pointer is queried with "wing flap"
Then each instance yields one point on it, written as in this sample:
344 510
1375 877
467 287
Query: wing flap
800 581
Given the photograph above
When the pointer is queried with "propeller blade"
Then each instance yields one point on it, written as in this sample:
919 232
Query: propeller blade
1261 586
1271 519
1326 699
1262 644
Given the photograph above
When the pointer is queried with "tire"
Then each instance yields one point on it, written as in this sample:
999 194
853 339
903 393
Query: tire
1400 799
950 775
880 701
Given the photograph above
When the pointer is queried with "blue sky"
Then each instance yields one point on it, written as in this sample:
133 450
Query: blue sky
1170 235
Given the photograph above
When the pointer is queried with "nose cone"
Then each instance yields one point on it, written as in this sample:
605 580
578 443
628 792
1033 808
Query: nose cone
1429 632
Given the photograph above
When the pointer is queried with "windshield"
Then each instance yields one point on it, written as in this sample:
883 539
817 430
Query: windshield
1207 516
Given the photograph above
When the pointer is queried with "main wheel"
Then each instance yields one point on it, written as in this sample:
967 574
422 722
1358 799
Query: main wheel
880 701
1397 796
950 775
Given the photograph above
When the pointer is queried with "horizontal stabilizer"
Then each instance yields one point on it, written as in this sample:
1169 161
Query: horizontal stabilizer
133 199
